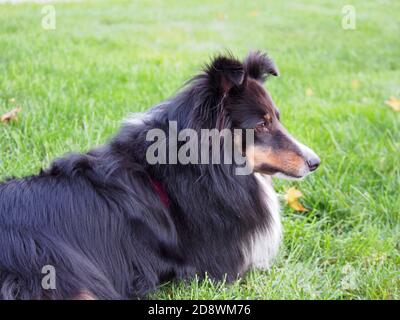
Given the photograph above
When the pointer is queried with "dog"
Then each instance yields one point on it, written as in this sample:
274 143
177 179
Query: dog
109 225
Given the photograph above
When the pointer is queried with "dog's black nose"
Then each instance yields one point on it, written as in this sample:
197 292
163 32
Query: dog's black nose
313 163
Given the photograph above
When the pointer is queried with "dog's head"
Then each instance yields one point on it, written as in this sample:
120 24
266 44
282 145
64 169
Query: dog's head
246 104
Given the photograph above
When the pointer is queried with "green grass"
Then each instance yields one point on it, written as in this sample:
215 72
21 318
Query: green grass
106 59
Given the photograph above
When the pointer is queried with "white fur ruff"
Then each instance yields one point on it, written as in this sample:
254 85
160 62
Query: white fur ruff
265 243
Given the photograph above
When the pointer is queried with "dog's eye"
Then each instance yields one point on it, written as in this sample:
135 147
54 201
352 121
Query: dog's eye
262 126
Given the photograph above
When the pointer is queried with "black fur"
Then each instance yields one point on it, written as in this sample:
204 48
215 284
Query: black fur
98 220
259 66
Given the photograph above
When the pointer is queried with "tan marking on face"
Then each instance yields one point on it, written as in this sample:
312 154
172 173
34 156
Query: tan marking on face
268 117
284 161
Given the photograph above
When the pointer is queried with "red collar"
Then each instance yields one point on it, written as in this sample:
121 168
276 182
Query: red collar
159 189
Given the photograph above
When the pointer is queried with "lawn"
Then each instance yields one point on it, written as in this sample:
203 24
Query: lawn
106 59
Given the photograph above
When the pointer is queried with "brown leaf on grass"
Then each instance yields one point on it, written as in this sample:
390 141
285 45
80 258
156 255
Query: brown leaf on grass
11 115
222 16
253 13
355 84
292 198
309 92
394 103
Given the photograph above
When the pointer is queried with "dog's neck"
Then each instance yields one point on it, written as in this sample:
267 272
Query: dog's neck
216 188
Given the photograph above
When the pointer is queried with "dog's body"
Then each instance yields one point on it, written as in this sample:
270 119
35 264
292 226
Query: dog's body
101 219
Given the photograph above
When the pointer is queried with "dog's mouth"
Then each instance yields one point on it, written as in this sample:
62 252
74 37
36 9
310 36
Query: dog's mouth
286 164
288 176
279 173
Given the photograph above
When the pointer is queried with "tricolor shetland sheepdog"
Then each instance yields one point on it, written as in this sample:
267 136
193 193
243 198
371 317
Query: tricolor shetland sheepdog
110 225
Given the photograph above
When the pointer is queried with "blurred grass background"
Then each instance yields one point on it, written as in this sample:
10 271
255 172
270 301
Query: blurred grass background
106 59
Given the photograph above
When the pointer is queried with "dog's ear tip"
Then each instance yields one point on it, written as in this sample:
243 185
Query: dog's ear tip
259 66
276 73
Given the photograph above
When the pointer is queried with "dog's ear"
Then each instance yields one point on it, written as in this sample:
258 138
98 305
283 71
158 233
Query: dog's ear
225 72
259 66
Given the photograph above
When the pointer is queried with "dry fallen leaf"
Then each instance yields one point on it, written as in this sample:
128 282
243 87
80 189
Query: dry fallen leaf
355 84
222 16
292 195
253 13
309 92
394 103
11 115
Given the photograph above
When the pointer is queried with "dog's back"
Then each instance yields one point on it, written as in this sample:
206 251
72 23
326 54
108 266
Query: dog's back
52 220
64 218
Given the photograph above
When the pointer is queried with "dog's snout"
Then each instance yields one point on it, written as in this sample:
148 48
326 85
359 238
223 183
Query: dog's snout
313 163
310 158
